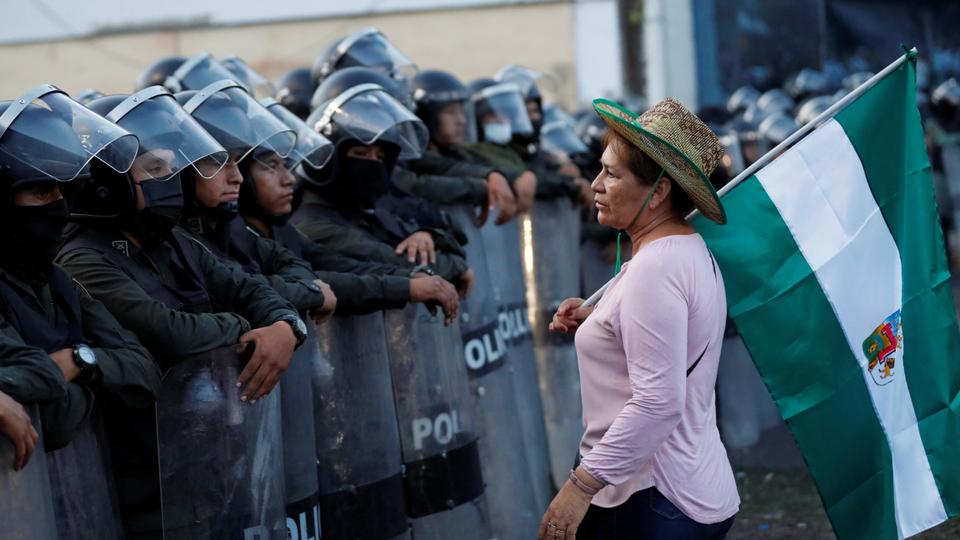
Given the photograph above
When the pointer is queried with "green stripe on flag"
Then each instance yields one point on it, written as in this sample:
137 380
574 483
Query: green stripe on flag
884 127
804 358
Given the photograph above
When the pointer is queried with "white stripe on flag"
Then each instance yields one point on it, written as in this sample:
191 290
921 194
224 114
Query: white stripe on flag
823 196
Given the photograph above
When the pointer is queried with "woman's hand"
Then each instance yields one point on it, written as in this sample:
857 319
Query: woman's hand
419 244
569 315
565 513
16 425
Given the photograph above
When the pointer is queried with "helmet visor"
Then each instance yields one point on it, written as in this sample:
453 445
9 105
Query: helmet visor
369 48
52 137
311 147
254 82
502 103
559 137
369 114
200 70
239 123
170 139
526 79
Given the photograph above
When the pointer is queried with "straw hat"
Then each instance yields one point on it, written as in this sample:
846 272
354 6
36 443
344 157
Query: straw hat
676 140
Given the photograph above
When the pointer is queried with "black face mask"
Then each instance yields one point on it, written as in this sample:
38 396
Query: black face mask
363 181
36 233
163 205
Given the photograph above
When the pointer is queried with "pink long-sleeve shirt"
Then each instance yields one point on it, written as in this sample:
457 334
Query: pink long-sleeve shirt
647 423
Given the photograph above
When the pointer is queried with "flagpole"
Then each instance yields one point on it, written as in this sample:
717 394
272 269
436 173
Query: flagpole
789 141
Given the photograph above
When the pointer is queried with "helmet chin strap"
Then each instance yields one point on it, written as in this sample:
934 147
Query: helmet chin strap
637 216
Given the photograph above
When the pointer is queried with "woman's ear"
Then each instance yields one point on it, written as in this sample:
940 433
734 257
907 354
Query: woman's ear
662 192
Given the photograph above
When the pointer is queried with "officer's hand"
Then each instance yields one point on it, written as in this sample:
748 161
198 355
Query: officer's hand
526 188
499 194
419 244
434 290
273 348
569 315
16 425
64 359
323 313
465 284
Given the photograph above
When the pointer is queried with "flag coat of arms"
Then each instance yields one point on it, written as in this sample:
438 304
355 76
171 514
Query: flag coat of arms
838 283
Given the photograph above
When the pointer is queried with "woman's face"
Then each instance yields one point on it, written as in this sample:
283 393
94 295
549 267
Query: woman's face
617 192
274 184
223 187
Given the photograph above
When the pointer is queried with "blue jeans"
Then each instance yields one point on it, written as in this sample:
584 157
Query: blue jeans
647 515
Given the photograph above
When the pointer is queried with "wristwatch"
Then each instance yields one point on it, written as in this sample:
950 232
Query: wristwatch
422 267
86 360
298 326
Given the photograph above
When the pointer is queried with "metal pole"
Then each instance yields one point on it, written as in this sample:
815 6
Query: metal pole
778 149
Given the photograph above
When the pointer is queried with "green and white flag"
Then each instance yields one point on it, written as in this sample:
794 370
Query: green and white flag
838 282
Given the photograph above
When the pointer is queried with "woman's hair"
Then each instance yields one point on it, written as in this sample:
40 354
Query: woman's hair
647 170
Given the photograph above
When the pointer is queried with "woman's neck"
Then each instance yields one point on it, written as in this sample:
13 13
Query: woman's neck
666 224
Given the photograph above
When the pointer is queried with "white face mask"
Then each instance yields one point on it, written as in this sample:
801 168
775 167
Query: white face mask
497 133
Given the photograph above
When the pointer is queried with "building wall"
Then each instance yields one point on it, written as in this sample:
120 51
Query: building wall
470 42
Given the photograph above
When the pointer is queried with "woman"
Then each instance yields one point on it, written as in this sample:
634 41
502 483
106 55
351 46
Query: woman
652 463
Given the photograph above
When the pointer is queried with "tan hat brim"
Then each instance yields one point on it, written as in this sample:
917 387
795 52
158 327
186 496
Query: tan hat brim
677 165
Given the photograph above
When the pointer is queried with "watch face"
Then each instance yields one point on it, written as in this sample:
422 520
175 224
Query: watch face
301 326
86 355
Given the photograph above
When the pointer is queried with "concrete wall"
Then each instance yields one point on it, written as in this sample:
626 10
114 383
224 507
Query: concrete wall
471 42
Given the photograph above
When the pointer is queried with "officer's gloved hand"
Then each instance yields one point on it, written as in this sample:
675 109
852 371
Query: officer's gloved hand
273 348
525 187
500 195
435 291
419 248
323 313
16 425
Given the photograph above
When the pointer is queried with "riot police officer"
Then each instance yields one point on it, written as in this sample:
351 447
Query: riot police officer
365 48
351 204
550 171
267 202
442 105
176 296
252 137
59 346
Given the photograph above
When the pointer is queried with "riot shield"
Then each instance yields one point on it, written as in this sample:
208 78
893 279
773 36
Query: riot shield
949 197
510 294
442 476
594 270
299 441
81 480
221 460
750 425
26 503
550 237
361 484
514 510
